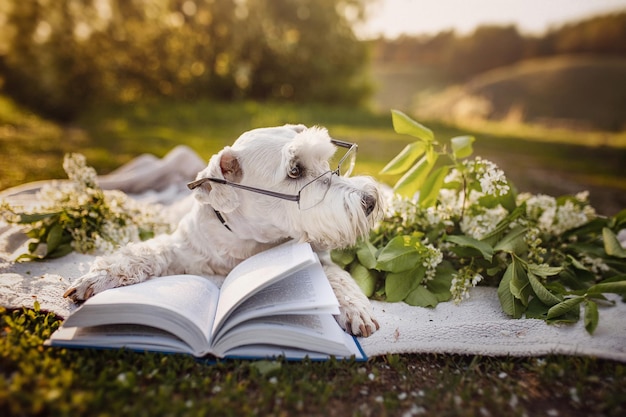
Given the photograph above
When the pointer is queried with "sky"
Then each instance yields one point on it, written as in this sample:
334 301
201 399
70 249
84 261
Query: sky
392 18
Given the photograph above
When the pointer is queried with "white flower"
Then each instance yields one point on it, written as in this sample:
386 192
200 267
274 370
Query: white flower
462 282
493 182
97 221
570 216
479 222
555 218
75 166
431 260
596 265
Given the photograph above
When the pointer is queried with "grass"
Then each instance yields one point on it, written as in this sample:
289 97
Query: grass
35 380
32 148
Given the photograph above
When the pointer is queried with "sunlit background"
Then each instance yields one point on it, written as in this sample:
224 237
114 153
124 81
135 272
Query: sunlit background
541 83
393 18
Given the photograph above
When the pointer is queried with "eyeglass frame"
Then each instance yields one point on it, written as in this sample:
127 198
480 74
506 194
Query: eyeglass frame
352 147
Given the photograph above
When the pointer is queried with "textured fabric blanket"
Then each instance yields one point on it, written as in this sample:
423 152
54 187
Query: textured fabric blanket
475 327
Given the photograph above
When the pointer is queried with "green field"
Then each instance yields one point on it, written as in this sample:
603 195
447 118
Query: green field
58 382
32 148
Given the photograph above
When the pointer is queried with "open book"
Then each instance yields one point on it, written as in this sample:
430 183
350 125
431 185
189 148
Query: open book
278 302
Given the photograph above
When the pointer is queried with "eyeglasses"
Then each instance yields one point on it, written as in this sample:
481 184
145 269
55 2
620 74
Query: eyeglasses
313 192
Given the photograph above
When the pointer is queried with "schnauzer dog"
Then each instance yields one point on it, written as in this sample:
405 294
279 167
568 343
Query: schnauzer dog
274 184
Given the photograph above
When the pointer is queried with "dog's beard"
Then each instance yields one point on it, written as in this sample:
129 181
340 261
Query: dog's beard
337 222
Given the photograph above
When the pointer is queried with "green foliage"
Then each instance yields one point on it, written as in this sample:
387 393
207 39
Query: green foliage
449 227
61 57
37 381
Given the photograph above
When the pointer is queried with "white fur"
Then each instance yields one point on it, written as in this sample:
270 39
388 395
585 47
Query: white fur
203 245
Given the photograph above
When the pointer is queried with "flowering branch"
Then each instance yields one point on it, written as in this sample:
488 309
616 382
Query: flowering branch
449 227
78 215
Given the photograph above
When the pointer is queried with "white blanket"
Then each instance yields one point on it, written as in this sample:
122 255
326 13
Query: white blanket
475 327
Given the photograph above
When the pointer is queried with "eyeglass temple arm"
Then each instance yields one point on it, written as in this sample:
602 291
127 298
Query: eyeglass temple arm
343 144
195 184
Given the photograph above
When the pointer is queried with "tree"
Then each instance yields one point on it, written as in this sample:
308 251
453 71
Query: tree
59 57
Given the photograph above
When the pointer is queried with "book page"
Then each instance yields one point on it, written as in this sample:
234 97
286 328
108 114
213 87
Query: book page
311 333
118 336
181 304
258 272
304 292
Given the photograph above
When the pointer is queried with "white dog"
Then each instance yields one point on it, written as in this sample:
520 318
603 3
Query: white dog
272 185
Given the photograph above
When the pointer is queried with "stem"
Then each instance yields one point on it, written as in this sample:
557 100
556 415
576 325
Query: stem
464 196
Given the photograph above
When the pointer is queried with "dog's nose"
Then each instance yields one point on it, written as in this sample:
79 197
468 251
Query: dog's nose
369 203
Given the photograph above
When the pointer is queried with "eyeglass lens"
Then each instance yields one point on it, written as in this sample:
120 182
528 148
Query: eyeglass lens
347 162
315 191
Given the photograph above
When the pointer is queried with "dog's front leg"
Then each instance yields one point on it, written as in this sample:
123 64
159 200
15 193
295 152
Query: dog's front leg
355 308
131 264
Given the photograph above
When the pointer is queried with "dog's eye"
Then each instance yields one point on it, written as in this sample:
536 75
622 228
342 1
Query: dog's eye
295 171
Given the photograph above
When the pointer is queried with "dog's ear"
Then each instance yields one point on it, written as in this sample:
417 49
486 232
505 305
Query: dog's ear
221 197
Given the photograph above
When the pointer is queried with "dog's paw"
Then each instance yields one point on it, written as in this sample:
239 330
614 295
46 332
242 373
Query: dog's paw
356 318
88 285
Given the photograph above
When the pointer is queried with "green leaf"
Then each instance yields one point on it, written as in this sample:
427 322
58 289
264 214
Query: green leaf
520 286
342 257
544 271
430 190
591 317
612 246
365 278
440 284
405 159
484 248
576 279
495 235
421 297
510 304
53 240
414 178
513 242
536 310
404 125
564 307
619 220
400 254
60 251
618 287
35 217
576 263
542 292
366 254
462 146
28 257
145 234
399 285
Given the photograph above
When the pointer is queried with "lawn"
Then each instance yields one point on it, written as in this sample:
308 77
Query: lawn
39 381
33 148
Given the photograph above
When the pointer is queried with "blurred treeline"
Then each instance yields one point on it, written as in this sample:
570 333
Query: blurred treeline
489 47
58 57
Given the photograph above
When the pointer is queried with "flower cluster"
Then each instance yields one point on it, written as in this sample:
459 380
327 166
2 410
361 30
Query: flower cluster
78 215
556 217
461 208
452 226
462 281
431 258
